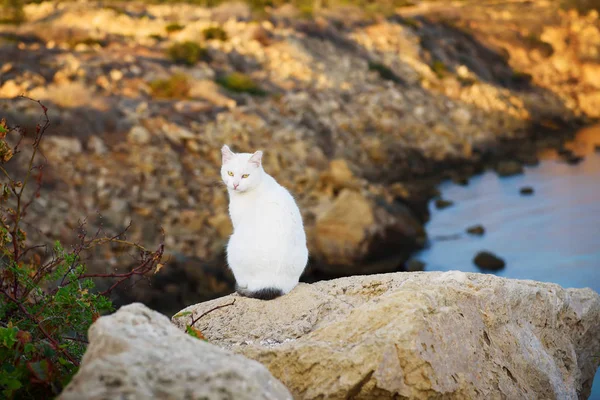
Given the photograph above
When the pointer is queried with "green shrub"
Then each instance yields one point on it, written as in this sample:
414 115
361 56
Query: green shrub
174 27
187 53
583 6
176 87
439 68
88 41
240 83
46 304
214 32
384 72
11 12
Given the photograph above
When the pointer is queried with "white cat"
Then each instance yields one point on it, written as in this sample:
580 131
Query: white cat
267 250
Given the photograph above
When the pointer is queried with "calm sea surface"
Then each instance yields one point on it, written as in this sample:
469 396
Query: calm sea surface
551 236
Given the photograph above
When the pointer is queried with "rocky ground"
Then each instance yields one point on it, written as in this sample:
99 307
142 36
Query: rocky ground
358 117
404 335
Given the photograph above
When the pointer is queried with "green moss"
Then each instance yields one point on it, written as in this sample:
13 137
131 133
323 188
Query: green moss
240 83
174 27
187 53
439 68
214 33
176 87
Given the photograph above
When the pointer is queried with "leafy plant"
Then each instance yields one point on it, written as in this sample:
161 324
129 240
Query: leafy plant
87 41
174 27
439 68
187 53
176 87
240 83
214 32
47 298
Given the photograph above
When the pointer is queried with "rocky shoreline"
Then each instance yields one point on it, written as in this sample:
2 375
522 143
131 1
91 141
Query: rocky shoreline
353 114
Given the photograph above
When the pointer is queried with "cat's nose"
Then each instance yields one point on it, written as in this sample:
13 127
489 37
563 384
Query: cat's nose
235 186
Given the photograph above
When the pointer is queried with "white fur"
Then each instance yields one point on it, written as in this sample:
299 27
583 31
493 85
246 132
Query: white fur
268 246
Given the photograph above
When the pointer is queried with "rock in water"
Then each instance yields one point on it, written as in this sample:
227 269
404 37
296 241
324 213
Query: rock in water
488 261
137 353
526 190
478 230
440 204
419 335
573 159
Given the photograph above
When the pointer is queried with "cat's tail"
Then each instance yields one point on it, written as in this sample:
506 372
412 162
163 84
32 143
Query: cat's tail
263 294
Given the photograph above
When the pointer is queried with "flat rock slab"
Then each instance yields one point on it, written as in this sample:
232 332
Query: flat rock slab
417 335
137 353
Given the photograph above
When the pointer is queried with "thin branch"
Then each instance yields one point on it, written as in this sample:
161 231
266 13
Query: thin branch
76 339
194 320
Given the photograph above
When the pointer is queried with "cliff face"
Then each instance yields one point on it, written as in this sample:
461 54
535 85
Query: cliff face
352 113
417 336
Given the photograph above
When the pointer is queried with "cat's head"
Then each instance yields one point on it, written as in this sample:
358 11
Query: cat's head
241 172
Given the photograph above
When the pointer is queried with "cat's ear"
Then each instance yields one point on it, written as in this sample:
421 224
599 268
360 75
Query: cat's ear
256 159
227 154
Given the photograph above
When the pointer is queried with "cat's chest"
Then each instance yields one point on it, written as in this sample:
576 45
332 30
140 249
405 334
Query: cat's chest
237 210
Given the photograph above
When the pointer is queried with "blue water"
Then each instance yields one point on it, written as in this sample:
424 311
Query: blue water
552 235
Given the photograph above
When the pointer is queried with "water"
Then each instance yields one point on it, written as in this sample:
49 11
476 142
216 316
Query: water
551 236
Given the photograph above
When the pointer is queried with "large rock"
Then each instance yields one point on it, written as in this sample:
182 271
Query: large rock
418 335
137 353
359 234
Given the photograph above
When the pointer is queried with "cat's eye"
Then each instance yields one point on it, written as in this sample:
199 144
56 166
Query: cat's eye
245 176
230 173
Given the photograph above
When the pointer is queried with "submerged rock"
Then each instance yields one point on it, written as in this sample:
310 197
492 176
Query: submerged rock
488 261
417 335
137 353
